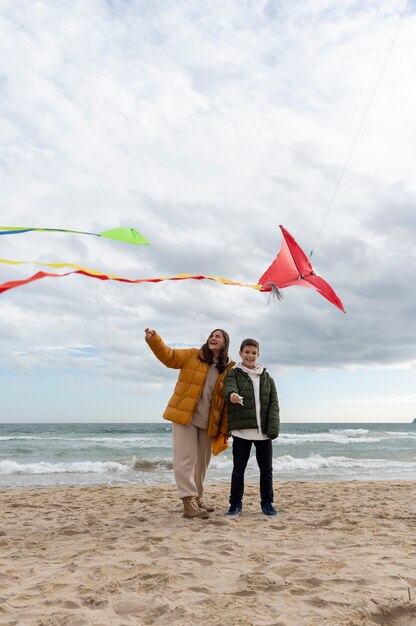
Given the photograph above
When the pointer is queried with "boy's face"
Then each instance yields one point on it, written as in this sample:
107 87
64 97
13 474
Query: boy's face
249 356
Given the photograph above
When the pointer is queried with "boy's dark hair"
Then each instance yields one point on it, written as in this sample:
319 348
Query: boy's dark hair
208 355
249 342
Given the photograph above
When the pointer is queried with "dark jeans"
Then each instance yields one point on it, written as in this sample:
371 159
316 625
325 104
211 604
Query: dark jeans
241 455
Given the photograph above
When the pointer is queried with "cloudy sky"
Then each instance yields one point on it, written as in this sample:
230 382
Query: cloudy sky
205 126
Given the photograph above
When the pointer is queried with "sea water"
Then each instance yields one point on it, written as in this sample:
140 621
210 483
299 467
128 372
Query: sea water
80 454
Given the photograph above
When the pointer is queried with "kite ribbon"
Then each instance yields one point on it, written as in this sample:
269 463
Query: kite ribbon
93 274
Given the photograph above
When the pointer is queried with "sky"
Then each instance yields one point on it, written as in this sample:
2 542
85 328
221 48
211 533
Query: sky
205 126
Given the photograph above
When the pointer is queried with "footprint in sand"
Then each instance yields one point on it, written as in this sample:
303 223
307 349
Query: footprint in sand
196 560
396 615
94 603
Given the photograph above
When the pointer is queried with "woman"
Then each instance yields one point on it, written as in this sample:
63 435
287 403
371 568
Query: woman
197 410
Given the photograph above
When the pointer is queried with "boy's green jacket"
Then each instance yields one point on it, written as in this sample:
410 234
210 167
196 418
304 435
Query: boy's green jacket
241 417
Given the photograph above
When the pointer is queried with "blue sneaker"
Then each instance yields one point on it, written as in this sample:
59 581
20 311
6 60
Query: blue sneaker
268 508
235 509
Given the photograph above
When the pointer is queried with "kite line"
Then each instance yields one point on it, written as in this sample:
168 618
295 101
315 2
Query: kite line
357 134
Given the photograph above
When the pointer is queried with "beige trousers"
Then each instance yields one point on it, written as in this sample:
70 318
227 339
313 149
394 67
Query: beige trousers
191 457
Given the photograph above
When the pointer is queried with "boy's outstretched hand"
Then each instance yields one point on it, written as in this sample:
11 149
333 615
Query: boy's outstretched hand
236 399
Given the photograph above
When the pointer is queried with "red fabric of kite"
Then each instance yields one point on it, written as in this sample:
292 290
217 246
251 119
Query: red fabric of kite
292 267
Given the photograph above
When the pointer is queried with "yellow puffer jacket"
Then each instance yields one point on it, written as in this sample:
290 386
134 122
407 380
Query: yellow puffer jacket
191 381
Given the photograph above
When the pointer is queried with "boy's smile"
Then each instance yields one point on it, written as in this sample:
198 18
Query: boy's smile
249 355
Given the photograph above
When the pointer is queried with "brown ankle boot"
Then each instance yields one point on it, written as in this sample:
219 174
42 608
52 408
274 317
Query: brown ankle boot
202 505
191 509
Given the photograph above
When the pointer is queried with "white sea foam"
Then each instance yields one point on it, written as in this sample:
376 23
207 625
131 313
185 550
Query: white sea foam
350 431
342 437
288 463
142 440
139 442
316 461
401 435
19 438
86 467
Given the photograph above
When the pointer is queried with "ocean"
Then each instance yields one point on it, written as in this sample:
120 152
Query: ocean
34 455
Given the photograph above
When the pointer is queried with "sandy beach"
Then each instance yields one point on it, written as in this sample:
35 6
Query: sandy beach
339 553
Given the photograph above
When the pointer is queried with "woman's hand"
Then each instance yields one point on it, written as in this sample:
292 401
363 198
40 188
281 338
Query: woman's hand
148 333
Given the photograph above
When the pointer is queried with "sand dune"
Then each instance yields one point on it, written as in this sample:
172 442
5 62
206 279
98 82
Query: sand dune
339 554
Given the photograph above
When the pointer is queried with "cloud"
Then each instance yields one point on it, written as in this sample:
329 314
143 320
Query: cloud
205 130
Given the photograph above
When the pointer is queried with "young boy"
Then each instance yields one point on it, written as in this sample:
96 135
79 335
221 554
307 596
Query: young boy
253 417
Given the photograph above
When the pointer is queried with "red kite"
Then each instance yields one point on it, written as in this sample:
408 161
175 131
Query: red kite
290 267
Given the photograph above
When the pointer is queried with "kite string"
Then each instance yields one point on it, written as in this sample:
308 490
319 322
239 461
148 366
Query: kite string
357 134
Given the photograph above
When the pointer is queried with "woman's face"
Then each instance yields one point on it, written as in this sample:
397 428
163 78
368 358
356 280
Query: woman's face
216 341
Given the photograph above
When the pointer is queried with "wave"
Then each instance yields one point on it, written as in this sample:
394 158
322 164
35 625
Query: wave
152 464
350 431
18 438
345 436
285 463
318 462
401 434
155 471
9 466
288 463
342 437
84 467
110 442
